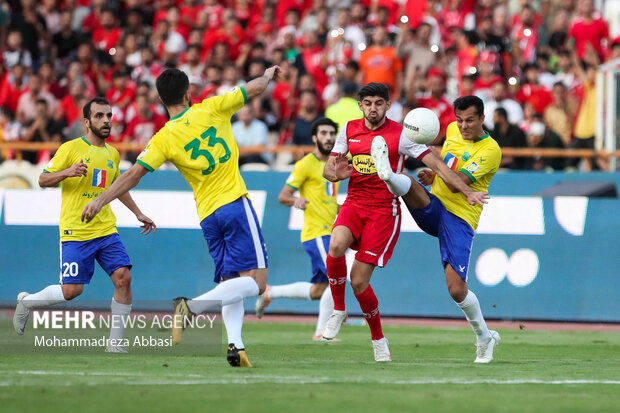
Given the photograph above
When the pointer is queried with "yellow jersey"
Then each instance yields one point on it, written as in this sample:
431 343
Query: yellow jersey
103 169
200 143
478 159
320 212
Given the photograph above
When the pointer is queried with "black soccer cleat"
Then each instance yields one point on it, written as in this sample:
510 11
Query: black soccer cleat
182 316
237 357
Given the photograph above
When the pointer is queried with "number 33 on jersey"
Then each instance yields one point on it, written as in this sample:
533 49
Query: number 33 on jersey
200 143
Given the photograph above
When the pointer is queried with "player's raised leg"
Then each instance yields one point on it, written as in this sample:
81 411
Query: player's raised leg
50 295
398 184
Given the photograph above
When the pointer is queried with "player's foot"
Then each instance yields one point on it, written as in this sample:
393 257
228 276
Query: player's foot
116 349
182 315
320 337
262 302
382 349
379 153
21 315
334 322
484 351
237 357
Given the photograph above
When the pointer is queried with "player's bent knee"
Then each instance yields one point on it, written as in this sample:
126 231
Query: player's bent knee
121 278
70 291
317 290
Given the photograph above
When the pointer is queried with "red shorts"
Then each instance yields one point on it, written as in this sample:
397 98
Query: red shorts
375 233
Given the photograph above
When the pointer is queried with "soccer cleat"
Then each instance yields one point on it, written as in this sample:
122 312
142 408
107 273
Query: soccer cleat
379 153
21 315
484 351
320 337
334 322
262 302
182 315
237 357
381 349
116 349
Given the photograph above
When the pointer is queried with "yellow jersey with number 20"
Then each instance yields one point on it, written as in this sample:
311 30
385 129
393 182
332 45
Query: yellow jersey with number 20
478 159
200 143
102 163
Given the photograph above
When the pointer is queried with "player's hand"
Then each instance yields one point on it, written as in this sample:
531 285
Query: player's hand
273 73
79 169
342 168
148 226
300 203
477 198
426 176
90 211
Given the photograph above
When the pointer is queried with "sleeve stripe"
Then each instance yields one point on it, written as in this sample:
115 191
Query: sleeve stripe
295 188
423 154
145 165
466 172
245 95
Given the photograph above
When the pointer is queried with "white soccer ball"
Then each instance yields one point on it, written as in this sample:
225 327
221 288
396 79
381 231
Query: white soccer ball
421 125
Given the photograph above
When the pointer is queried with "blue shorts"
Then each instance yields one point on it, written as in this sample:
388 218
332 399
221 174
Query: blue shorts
235 239
317 250
455 235
77 258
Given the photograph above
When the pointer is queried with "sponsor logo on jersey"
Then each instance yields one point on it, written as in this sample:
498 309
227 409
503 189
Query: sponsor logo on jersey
99 178
49 165
363 164
472 167
354 140
67 232
143 154
461 268
451 161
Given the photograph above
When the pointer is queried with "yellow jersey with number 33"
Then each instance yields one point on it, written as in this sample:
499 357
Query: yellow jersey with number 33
200 143
478 159
102 163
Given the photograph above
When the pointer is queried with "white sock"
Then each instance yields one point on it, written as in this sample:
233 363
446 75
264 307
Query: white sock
50 295
326 306
471 308
296 290
120 315
398 184
227 292
232 314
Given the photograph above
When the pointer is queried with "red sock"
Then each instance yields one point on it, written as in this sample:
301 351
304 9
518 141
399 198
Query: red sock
337 274
370 307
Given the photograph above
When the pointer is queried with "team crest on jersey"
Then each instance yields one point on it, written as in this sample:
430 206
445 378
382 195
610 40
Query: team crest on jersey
451 161
142 154
110 164
472 167
363 164
234 89
99 178
465 156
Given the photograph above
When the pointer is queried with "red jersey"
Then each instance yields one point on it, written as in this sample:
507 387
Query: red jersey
365 187
594 33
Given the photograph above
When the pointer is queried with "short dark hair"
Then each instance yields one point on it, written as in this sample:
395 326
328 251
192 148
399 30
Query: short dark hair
323 121
501 112
172 85
100 100
465 102
374 89
41 102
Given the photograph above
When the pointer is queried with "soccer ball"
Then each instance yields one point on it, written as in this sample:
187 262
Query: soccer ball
421 125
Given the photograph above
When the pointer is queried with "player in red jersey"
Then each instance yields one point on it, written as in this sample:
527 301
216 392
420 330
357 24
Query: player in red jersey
369 220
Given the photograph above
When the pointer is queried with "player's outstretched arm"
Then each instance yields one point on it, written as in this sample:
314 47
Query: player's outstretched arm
456 182
257 86
337 168
48 179
149 225
288 198
124 183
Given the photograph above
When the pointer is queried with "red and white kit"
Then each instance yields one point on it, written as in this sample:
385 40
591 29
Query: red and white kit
371 211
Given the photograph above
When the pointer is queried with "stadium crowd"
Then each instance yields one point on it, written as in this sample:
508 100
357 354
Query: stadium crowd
533 63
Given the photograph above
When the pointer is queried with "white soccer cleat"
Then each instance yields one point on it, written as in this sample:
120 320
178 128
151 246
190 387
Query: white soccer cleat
116 349
484 351
262 302
379 153
21 315
382 349
334 322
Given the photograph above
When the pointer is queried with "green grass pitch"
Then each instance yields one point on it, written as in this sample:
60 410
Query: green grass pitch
432 371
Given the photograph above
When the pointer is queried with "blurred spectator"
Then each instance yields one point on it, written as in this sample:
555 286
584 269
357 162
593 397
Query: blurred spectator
346 108
589 28
49 10
560 114
32 27
136 27
41 128
466 53
66 40
149 68
418 52
49 82
493 45
92 21
10 130
108 34
313 60
144 124
533 92
71 105
545 77
379 63
26 106
507 135
525 36
307 113
13 53
487 78
193 66
565 73
249 132
122 92
540 136
615 49
434 99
